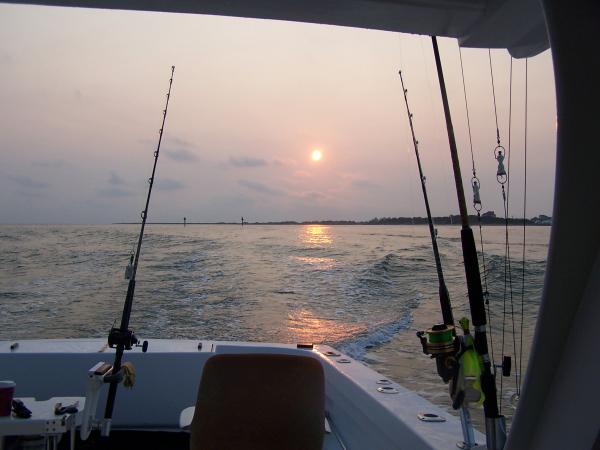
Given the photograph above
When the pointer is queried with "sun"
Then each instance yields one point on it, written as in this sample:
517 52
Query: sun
316 155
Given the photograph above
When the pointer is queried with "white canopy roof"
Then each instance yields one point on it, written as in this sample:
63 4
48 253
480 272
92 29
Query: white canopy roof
517 25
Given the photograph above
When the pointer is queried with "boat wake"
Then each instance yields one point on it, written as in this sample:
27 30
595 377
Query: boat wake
359 346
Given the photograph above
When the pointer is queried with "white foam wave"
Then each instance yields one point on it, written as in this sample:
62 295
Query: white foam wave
379 334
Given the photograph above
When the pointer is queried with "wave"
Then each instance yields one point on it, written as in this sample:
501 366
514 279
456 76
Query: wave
380 334
20 295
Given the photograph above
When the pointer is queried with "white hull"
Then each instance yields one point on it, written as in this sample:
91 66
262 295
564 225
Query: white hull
169 373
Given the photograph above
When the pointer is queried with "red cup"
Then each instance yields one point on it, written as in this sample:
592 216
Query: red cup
7 390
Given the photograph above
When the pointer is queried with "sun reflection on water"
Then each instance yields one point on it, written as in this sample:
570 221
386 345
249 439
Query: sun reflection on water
305 326
316 235
318 263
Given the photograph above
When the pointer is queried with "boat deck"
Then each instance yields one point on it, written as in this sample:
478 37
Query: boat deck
364 409
128 440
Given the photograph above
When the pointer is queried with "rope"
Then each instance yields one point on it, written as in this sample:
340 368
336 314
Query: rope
524 241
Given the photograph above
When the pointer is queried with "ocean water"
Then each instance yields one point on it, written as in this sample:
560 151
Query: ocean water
363 289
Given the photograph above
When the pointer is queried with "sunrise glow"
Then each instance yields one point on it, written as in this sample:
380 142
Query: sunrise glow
316 155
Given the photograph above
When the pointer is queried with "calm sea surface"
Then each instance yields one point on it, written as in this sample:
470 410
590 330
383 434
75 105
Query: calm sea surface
363 289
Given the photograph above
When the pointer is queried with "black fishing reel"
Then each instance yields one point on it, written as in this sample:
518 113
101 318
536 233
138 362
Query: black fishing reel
127 338
440 342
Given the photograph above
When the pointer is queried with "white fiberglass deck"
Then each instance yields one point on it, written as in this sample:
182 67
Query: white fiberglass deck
169 373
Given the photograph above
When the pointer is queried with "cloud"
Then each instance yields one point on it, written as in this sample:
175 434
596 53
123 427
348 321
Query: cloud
231 202
247 161
116 180
49 164
116 188
114 192
181 155
260 188
311 196
364 184
302 174
314 196
284 162
168 184
6 58
27 182
169 141
30 194
180 142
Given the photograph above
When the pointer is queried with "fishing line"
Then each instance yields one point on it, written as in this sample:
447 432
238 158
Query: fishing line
494 421
524 238
494 96
443 290
503 178
408 151
462 72
476 185
506 219
122 337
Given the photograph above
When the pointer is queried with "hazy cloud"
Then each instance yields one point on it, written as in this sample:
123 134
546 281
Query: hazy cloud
181 155
231 202
27 182
6 58
116 180
116 188
114 192
30 194
247 161
169 141
302 174
285 162
180 142
49 164
259 187
364 184
168 184
313 196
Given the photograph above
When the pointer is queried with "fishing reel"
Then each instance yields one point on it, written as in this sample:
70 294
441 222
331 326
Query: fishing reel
127 338
440 342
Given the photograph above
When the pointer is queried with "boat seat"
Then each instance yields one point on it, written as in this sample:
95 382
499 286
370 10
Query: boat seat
259 401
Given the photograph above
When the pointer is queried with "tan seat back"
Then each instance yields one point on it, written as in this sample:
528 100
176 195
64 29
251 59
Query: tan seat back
259 401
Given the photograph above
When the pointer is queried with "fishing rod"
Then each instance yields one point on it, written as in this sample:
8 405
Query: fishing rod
494 423
443 290
122 337
439 341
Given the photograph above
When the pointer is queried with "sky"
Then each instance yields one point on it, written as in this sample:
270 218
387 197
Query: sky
82 93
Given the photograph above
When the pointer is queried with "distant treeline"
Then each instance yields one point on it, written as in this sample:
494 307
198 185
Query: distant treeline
487 218
444 220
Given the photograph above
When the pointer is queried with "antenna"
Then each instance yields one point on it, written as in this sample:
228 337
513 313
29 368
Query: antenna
122 337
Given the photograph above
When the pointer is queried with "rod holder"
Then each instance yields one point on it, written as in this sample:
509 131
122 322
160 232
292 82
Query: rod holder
495 432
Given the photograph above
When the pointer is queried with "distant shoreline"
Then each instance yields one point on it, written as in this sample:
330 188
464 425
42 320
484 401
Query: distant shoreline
445 220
